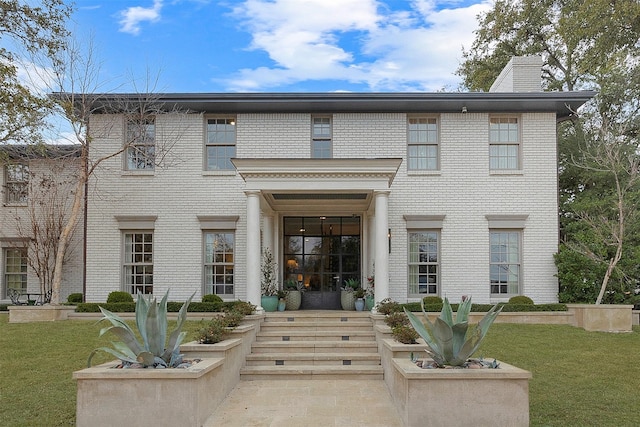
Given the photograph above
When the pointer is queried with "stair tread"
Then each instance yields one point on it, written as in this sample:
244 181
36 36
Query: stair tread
312 356
323 344
316 333
352 369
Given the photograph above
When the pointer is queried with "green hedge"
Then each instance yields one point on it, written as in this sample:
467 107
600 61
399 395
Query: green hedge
172 307
483 308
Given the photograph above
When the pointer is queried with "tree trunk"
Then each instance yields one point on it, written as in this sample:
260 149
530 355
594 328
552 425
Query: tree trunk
67 231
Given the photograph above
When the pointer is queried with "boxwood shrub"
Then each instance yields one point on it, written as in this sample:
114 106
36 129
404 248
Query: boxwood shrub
483 308
172 307
119 296
74 298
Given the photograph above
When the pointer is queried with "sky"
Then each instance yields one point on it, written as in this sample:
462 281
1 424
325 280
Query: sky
280 45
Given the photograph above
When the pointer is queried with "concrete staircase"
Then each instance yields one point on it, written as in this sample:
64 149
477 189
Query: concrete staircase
314 345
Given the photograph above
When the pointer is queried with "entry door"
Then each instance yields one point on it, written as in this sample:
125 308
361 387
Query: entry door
320 253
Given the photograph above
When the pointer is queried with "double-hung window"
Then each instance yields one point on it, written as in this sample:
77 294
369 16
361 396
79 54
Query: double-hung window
321 145
220 145
504 143
219 263
138 262
141 144
505 263
15 269
422 145
16 184
424 262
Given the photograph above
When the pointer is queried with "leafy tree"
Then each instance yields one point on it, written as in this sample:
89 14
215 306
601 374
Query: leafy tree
577 40
584 45
26 29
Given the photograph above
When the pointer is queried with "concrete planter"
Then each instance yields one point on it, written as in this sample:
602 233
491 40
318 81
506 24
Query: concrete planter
39 313
602 317
179 397
461 397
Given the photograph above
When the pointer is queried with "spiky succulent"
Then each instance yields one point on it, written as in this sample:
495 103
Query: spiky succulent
152 323
451 342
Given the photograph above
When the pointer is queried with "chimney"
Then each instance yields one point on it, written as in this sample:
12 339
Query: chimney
521 74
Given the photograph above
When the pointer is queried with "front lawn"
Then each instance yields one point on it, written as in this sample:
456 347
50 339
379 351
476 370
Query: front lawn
579 378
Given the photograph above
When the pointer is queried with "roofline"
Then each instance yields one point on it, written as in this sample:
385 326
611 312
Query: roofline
563 104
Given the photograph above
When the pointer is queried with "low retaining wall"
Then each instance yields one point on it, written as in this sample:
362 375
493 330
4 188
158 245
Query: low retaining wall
602 317
591 317
39 313
177 397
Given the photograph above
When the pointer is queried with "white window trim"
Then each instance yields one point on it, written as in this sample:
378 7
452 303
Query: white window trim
418 223
437 144
519 169
218 223
314 139
127 145
205 145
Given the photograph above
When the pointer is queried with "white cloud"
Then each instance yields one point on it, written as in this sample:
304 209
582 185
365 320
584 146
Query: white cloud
133 16
360 41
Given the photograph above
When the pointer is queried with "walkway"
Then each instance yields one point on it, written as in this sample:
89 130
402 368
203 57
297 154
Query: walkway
312 403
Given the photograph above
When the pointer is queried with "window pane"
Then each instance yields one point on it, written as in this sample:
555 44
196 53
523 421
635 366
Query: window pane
219 248
321 138
221 143
138 262
422 150
423 262
504 269
140 144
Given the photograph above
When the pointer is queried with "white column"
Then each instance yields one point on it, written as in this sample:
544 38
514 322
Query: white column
267 233
371 244
382 245
253 248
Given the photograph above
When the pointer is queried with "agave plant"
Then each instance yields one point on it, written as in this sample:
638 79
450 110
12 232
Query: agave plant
451 342
151 322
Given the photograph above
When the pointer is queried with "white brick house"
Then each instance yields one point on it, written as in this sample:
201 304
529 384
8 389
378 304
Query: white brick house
35 185
447 194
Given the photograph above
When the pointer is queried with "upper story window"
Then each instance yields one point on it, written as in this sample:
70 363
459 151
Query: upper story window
422 145
221 143
504 143
16 184
141 144
321 146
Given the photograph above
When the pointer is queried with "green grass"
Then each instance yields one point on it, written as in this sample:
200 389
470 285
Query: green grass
579 378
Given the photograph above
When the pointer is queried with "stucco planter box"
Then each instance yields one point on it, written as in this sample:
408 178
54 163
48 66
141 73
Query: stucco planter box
460 397
123 397
39 313
602 317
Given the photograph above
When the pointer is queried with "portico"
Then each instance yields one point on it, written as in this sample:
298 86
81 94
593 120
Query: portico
281 187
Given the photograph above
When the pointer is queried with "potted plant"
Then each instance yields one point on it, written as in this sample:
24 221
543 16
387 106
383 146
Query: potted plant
294 294
370 293
358 294
282 303
268 283
347 299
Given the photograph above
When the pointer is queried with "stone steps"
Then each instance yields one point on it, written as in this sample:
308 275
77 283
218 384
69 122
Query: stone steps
314 345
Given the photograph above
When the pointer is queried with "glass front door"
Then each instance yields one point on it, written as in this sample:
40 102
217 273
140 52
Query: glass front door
320 253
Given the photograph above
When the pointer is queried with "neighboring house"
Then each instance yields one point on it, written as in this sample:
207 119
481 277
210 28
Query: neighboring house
445 194
35 189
